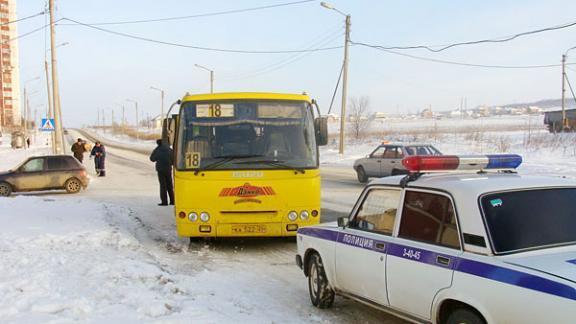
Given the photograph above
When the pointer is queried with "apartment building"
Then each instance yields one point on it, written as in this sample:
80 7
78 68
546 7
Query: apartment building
9 67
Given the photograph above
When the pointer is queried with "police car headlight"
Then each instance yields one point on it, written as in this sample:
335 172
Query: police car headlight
292 215
304 215
193 217
204 216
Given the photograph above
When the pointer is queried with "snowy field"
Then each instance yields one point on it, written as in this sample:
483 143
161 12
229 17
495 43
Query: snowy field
109 254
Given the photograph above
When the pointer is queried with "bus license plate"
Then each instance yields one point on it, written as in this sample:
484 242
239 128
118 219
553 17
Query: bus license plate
248 229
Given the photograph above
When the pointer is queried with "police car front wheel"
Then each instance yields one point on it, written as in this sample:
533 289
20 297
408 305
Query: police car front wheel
321 295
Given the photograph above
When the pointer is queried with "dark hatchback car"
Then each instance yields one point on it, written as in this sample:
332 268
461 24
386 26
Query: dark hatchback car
45 173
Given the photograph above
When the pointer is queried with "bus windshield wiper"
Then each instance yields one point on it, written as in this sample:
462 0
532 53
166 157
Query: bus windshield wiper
281 164
225 159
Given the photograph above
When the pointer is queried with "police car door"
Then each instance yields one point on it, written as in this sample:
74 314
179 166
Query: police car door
372 163
420 261
361 249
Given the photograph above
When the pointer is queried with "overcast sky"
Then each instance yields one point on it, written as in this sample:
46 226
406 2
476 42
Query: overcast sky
101 70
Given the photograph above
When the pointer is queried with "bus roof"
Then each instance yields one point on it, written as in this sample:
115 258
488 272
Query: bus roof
245 95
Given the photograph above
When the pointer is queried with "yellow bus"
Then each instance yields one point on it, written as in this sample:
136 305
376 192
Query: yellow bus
246 164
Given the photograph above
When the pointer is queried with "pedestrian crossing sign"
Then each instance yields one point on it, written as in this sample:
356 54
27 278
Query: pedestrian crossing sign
47 125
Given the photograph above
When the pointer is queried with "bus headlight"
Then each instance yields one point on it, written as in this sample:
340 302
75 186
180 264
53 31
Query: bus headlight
193 217
204 216
292 216
304 215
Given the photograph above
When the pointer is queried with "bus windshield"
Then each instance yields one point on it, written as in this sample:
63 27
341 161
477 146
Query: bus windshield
246 134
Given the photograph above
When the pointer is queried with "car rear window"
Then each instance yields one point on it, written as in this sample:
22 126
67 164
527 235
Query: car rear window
422 150
528 219
61 163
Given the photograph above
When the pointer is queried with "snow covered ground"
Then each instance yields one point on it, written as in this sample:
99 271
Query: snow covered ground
109 254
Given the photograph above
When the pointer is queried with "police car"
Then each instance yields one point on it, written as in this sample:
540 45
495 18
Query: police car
479 245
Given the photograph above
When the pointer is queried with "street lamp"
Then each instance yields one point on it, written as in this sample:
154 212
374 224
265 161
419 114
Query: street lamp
136 106
161 105
564 119
344 73
211 76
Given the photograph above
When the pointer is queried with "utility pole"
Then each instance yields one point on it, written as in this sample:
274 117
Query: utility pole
112 122
26 121
211 76
98 118
59 138
25 108
211 81
135 106
103 120
344 86
35 129
137 126
564 120
50 106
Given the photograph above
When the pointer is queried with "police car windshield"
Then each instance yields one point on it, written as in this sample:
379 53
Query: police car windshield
257 131
530 219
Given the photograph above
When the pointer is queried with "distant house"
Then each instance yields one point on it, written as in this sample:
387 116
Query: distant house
553 120
427 113
332 118
157 122
378 116
456 113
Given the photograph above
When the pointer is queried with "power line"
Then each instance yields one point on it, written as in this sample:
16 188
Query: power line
476 42
335 89
488 66
212 49
33 31
289 60
219 13
24 18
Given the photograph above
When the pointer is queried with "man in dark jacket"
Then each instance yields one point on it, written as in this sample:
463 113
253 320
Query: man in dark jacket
78 150
99 154
162 155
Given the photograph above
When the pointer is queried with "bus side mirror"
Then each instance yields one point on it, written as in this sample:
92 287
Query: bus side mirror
342 221
169 129
321 130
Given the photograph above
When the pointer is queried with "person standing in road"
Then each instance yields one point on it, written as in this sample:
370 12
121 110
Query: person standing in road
78 150
99 154
162 155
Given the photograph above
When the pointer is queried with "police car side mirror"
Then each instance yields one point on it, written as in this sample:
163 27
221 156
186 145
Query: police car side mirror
342 221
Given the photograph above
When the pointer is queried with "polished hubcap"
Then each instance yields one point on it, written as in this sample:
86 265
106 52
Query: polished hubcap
314 280
73 186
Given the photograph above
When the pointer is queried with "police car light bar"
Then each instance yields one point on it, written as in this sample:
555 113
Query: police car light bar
423 163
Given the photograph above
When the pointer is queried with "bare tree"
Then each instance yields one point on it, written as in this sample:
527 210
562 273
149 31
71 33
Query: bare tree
359 119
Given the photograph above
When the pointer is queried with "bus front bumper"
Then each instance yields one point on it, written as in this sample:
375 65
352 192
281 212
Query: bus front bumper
238 230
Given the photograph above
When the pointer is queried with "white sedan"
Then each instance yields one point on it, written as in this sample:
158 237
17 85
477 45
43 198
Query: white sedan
479 245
